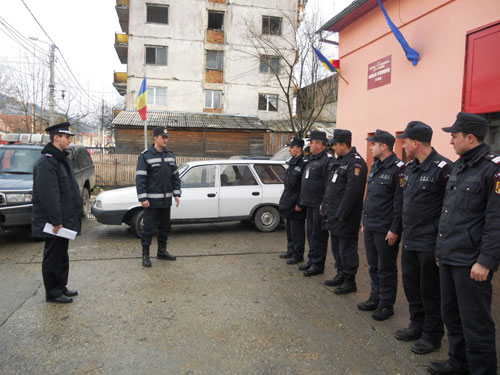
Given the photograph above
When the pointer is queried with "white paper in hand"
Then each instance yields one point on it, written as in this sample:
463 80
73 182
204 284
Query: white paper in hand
63 232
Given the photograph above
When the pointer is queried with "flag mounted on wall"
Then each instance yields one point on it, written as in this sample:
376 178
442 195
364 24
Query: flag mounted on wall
141 101
411 54
328 65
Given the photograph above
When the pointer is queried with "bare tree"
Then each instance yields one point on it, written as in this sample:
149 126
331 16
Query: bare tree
295 68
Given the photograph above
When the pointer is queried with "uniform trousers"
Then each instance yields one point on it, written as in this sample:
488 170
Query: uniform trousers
296 237
317 237
383 267
154 217
421 286
345 253
55 266
466 310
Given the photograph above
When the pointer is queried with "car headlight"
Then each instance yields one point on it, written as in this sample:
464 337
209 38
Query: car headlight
18 198
98 204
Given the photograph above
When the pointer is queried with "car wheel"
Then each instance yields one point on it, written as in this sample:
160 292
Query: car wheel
267 219
137 223
86 201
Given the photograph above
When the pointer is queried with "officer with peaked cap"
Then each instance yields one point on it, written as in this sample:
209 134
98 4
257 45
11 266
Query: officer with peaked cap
57 201
424 186
157 181
382 224
289 208
311 193
467 250
341 206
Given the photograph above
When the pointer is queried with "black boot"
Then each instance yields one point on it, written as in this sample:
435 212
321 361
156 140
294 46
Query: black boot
146 262
336 281
347 286
163 253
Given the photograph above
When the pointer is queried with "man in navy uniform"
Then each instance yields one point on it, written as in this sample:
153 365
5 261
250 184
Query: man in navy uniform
157 181
382 224
423 191
289 209
57 201
468 250
341 206
311 194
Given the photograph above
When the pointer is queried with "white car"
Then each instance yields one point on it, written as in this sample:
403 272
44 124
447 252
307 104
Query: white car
212 191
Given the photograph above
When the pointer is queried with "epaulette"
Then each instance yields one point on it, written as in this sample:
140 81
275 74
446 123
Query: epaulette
440 163
409 162
329 155
49 155
144 151
399 163
357 156
305 160
493 158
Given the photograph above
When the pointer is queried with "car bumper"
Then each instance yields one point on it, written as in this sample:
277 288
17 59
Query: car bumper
108 217
14 216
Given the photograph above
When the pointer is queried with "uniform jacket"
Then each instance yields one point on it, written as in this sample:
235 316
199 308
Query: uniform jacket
291 194
469 228
314 178
423 192
56 195
343 200
157 178
382 210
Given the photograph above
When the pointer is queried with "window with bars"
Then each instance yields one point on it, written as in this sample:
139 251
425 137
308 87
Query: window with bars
157 96
269 64
157 13
215 60
271 25
213 99
156 55
268 102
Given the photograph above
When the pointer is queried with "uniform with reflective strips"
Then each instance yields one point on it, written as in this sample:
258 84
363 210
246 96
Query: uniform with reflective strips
157 178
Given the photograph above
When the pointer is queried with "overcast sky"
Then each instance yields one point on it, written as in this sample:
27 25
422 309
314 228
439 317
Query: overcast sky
84 32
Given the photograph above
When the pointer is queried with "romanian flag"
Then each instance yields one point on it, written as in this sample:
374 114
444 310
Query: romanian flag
336 64
411 54
141 102
328 65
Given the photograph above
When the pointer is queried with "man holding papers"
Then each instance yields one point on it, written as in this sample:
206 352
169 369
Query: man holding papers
57 202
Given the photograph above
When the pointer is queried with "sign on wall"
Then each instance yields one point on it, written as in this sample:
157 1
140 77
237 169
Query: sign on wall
379 72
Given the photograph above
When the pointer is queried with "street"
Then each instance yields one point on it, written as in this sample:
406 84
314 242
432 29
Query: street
228 305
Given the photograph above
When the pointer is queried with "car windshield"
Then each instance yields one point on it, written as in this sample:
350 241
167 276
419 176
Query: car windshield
20 161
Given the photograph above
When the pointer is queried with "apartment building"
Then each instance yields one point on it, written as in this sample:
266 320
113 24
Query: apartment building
198 55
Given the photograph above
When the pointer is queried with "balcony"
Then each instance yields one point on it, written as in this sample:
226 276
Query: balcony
120 82
122 9
121 47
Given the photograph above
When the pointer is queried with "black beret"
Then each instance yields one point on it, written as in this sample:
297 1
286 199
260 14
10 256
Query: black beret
296 142
160 130
63 128
418 131
383 137
341 136
316 134
469 123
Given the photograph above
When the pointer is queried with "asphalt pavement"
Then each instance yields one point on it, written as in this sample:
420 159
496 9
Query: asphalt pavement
227 305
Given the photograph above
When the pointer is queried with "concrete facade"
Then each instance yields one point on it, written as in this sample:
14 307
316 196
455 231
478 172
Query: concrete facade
187 39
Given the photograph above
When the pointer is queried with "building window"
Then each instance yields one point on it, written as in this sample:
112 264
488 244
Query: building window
268 103
213 99
156 55
157 96
157 14
215 20
271 25
215 60
269 64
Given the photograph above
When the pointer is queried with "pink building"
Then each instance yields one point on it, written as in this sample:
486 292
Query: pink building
459 67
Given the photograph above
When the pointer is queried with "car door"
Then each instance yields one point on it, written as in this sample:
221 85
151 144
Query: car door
200 194
272 177
239 190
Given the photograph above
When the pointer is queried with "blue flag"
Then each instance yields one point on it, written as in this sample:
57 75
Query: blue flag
327 64
411 54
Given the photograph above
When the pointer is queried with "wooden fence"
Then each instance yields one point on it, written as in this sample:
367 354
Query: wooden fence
118 170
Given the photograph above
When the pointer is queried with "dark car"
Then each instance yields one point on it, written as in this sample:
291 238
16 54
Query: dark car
16 180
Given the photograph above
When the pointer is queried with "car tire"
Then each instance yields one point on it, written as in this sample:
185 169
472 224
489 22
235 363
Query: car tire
266 219
137 223
85 201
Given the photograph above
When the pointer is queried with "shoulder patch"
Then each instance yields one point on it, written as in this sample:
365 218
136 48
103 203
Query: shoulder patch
493 158
441 164
496 183
357 169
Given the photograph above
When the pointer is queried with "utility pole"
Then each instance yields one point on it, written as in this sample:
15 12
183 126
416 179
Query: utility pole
51 85
102 125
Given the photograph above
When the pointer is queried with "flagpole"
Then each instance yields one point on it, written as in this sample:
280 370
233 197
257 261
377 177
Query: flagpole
343 78
145 122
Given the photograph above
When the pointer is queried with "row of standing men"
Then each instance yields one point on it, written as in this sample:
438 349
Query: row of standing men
446 214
